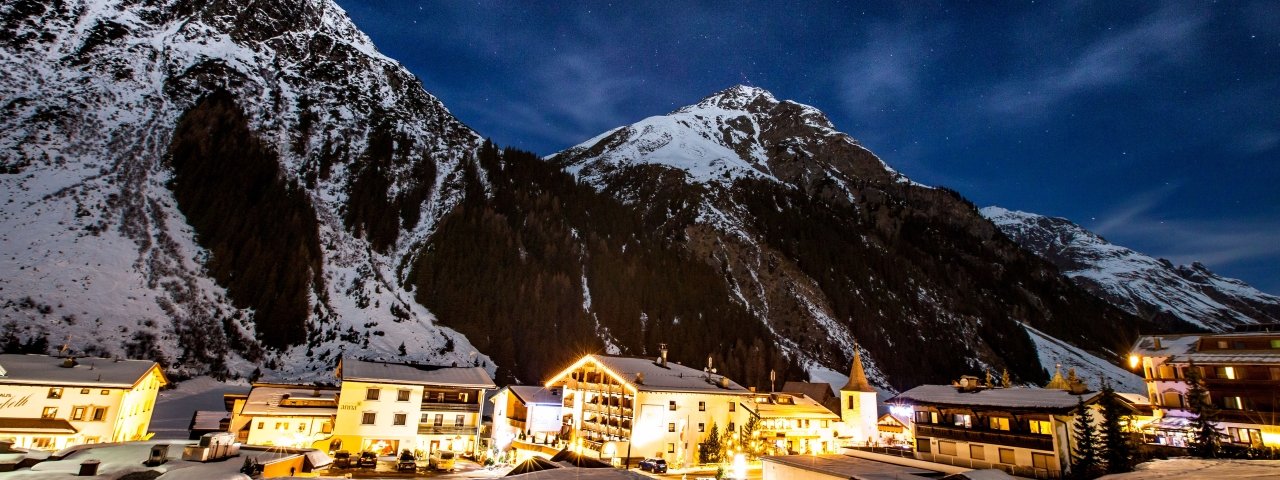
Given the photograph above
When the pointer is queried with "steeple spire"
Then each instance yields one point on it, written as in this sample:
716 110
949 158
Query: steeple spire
1057 382
857 376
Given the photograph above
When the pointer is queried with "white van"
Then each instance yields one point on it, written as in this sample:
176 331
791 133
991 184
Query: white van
441 460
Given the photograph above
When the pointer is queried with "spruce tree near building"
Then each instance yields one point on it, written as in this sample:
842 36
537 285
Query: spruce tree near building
1206 439
1117 444
710 451
1086 461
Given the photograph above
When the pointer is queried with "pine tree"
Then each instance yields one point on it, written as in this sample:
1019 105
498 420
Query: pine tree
1116 443
1004 379
1206 439
747 438
1085 459
711 447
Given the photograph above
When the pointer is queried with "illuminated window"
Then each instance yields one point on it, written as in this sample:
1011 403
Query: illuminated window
1040 427
964 420
104 392
55 392
77 413
282 426
368 418
326 427
459 420
1222 344
671 448
999 423
733 406
1275 373
1248 436
977 452
1006 456
398 419
402 396
1233 403
44 443
371 394
439 421
1275 343
702 427
702 406
1228 373
49 412
671 427
923 417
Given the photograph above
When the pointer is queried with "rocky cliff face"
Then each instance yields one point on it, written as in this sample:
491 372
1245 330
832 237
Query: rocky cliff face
1175 295
217 182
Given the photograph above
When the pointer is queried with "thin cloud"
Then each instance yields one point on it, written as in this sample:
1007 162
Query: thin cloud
1159 39
887 71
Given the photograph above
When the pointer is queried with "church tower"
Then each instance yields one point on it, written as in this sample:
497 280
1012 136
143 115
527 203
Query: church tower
858 402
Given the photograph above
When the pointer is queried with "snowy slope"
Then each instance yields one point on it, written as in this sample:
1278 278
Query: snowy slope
93 250
1139 284
1055 353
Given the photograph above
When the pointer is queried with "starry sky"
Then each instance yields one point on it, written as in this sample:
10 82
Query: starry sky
1155 125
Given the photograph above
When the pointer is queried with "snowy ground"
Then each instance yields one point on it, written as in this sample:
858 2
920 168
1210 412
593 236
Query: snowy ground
1194 468
1090 368
174 408
123 458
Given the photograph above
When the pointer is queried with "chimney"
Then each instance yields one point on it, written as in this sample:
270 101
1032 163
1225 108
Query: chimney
1156 341
662 349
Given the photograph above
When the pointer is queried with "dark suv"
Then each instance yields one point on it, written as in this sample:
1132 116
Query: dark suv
407 462
655 465
368 460
342 459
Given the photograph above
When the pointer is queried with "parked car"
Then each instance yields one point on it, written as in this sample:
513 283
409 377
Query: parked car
342 459
407 462
655 465
441 460
368 460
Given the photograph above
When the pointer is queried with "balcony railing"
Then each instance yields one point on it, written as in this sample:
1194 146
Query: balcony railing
446 430
1016 470
450 407
1024 440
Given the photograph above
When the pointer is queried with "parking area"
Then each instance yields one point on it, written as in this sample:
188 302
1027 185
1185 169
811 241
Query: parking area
387 468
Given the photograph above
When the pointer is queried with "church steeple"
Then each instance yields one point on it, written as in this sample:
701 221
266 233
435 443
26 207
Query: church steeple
1057 382
857 376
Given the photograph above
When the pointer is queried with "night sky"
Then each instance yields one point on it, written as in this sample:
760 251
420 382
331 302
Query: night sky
1157 126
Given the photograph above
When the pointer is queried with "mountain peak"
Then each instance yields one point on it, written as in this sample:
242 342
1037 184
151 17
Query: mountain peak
737 97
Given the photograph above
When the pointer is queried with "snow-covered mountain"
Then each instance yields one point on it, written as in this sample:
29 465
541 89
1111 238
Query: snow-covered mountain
1145 286
232 185
97 251
827 246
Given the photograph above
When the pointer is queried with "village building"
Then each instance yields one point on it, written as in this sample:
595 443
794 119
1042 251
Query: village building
50 403
1240 370
620 408
1023 431
528 419
858 407
793 423
388 407
299 416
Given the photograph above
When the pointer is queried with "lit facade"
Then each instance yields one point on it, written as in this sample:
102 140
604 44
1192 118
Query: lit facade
51 403
1023 431
388 407
528 419
299 416
1240 370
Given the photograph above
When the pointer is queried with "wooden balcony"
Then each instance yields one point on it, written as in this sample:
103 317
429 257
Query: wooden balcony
446 430
450 407
1023 440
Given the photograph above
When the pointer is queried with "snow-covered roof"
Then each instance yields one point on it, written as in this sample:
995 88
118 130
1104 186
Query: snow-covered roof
672 377
13 425
351 369
91 372
1021 398
847 466
208 420
301 400
538 395
1169 345
786 405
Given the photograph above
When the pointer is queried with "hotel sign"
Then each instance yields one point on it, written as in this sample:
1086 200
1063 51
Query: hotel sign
9 401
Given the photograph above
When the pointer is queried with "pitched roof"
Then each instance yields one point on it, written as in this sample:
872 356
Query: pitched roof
1184 348
1169 345
36 425
352 369
300 400
673 377
537 394
1020 398
857 376
90 372
819 391
786 405
208 420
